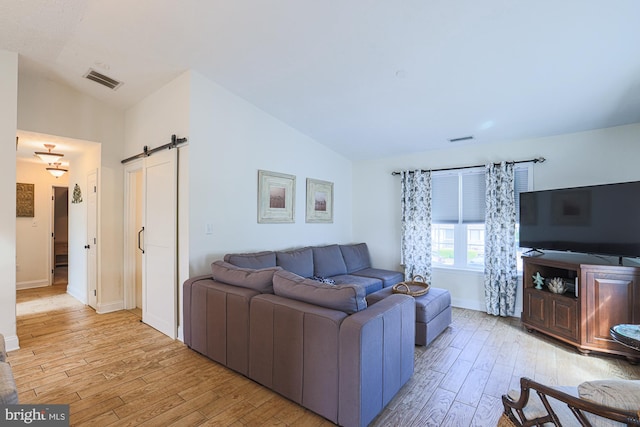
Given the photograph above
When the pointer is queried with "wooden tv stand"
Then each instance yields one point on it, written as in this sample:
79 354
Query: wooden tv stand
606 295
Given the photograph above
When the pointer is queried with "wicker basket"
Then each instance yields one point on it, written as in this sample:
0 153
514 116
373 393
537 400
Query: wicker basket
415 287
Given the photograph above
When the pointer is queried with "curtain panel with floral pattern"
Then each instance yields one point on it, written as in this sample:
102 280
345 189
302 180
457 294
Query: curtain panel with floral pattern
500 263
416 223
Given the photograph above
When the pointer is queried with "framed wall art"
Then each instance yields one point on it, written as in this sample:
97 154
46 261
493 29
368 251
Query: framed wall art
276 197
319 201
25 200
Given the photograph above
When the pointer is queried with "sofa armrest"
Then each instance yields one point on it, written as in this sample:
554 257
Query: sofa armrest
294 351
376 358
186 305
3 352
216 321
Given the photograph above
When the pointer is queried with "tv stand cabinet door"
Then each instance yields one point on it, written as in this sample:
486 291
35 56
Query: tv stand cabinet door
612 297
534 309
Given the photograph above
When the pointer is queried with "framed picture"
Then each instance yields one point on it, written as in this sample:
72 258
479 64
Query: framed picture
276 197
24 200
319 201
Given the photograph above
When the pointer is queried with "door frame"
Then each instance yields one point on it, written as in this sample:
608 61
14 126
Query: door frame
92 242
131 204
52 255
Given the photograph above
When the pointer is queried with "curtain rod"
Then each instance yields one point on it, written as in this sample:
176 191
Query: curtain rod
536 160
146 153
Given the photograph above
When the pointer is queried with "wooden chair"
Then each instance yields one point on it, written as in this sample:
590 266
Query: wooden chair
561 406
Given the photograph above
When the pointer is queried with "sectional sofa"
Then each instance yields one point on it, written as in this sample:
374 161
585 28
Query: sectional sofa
8 390
318 344
341 264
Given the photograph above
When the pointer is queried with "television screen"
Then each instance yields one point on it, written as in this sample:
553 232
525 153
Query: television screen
599 219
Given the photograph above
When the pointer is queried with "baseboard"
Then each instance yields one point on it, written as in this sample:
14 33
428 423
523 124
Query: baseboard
74 293
478 306
32 284
110 307
11 343
469 304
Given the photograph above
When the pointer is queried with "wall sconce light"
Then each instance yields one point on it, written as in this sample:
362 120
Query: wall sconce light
48 156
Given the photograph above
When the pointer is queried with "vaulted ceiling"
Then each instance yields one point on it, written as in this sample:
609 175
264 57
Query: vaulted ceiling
366 78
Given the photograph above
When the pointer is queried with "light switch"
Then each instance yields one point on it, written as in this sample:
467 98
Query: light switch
208 228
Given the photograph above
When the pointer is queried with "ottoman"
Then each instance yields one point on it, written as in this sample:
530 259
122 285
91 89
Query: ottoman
433 312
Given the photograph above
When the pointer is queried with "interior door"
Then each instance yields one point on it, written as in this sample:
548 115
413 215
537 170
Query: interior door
158 241
92 239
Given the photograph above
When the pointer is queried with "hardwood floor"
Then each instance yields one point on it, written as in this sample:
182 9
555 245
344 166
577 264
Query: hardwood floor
114 370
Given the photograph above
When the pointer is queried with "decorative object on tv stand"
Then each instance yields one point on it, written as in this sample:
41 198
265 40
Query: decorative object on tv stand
276 197
319 201
77 194
557 285
538 280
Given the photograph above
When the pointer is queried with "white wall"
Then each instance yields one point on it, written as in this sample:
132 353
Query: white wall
8 121
47 107
33 234
586 158
230 140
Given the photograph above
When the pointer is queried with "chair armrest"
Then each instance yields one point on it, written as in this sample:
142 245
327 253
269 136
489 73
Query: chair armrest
515 409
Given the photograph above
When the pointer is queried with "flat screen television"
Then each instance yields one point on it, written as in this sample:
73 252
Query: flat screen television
599 219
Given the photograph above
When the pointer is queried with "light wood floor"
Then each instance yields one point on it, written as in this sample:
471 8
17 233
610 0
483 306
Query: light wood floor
114 370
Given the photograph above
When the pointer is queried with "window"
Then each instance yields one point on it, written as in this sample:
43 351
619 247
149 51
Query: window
457 217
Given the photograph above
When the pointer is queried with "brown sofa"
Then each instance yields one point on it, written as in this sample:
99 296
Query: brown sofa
317 344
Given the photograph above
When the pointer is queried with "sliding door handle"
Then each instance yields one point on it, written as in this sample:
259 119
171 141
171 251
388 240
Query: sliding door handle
139 233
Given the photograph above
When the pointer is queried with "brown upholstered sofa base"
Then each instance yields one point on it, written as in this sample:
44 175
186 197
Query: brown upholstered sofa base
344 367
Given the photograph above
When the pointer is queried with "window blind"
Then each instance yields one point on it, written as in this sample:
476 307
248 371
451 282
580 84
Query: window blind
459 198
521 184
444 199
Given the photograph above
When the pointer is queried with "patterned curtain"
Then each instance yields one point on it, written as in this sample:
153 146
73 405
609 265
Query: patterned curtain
416 224
500 268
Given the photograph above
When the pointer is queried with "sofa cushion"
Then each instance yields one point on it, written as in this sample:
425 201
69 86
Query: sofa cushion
260 280
356 257
388 277
298 261
328 261
254 260
345 298
370 284
621 394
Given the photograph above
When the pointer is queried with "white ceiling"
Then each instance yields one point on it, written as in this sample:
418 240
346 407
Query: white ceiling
366 78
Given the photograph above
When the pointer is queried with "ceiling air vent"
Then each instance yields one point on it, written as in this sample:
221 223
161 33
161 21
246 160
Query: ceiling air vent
102 79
